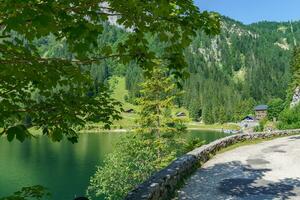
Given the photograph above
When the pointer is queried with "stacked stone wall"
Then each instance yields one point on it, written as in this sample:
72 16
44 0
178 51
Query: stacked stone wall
164 183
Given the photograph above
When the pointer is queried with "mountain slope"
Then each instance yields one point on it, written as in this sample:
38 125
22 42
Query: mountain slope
230 73
242 66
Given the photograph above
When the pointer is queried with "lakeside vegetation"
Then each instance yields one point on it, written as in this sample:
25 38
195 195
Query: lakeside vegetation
129 120
245 143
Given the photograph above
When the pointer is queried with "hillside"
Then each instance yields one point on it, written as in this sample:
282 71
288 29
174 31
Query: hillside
243 66
229 74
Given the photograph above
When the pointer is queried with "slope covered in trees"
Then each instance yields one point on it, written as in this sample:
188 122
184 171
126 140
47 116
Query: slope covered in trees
228 74
231 72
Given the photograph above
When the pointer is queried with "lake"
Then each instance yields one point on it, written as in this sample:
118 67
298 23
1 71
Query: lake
63 168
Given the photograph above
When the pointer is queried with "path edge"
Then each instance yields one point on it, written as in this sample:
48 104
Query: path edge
163 184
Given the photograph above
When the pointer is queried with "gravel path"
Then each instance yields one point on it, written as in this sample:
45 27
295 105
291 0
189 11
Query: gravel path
269 170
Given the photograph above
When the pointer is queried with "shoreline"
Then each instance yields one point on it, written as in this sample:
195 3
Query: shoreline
129 130
217 129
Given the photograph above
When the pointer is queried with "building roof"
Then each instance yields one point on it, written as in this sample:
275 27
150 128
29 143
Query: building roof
261 107
249 118
129 110
181 114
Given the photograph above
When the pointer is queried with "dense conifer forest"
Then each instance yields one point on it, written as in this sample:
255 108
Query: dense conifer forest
228 74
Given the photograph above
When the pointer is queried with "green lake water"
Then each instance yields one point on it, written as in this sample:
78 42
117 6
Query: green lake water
63 168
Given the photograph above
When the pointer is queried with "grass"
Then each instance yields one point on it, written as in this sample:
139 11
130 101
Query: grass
246 143
128 120
226 126
119 92
240 144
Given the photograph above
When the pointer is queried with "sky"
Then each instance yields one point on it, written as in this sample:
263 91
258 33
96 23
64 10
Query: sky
251 11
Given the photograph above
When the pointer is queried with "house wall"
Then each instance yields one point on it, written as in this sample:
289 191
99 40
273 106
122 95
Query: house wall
261 114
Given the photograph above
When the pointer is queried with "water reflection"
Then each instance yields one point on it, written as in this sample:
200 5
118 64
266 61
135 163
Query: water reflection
63 167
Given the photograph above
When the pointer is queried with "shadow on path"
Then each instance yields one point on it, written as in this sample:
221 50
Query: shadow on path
237 181
295 138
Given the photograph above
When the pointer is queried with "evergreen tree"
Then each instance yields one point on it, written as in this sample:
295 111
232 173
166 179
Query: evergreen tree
153 146
295 70
157 99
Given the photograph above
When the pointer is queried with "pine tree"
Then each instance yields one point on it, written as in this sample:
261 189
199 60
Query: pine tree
157 100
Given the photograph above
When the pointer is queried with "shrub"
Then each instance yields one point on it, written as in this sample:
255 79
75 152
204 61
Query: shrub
290 118
261 126
136 158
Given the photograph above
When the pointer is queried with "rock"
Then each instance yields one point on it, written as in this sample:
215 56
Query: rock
296 97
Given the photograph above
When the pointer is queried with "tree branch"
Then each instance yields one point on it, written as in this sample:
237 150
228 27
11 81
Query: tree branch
4 36
3 131
45 60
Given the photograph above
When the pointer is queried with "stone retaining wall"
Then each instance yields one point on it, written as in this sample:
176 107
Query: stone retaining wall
163 184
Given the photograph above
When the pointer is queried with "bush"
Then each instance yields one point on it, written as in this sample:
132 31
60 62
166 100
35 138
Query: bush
290 118
276 106
261 126
136 158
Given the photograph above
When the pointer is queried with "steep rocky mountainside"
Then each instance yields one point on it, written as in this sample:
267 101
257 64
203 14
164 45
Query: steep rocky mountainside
244 65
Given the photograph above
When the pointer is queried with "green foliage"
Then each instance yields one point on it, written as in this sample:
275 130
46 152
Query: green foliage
29 193
234 70
134 76
158 93
136 157
290 118
18 131
191 144
231 73
244 108
295 70
261 126
275 107
195 111
134 160
57 87
153 146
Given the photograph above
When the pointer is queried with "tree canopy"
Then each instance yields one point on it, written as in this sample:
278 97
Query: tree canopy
56 93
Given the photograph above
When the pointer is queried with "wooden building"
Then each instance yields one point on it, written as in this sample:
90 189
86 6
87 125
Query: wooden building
261 112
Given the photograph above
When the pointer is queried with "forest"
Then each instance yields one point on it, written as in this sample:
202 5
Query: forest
228 74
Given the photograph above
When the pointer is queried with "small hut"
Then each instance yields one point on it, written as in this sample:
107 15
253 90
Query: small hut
261 112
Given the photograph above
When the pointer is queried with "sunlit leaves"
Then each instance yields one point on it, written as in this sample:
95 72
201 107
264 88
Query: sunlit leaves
158 92
133 161
175 22
49 92
57 92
